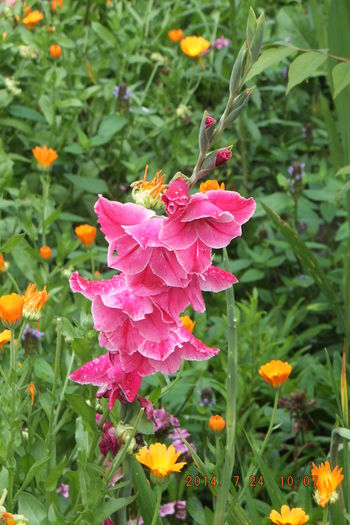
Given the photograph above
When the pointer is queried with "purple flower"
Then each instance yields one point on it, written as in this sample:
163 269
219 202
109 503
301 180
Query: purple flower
64 490
177 443
109 441
220 42
31 332
181 504
181 515
167 509
123 187
160 419
123 91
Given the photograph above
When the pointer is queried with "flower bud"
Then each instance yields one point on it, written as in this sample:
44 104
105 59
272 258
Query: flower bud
237 71
222 156
238 105
209 121
258 38
251 26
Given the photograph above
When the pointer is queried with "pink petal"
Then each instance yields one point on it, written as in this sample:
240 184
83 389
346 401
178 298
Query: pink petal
146 234
217 234
200 207
176 234
195 258
241 209
165 265
112 215
215 280
94 372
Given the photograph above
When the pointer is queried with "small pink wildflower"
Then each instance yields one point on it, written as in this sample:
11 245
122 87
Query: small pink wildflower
220 42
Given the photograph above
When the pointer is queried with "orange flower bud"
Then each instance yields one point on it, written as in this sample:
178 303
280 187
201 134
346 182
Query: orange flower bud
45 252
11 309
32 19
175 35
217 423
34 301
55 51
86 234
45 156
209 185
31 391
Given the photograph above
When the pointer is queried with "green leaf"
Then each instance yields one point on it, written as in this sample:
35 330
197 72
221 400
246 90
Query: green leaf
78 403
269 58
54 475
341 77
34 469
43 370
47 109
89 185
252 275
195 509
108 508
144 494
307 259
303 67
11 243
104 34
26 113
17 124
343 171
31 508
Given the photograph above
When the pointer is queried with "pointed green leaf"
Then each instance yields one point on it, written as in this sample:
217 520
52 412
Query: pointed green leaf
303 67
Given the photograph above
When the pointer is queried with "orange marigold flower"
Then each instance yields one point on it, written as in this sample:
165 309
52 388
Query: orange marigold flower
4 35
194 46
160 459
33 19
31 391
175 35
326 481
187 322
217 423
45 252
55 51
275 372
97 274
55 4
3 265
45 156
5 337
295 516
8 519
34 301
148 193
211 185
86 234
11 309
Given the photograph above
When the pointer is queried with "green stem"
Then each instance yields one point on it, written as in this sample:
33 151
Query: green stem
92 262
51 442
243 144
20 334
231 393
14 282
325 515
45 181
87 11
98 433
11 450
156 510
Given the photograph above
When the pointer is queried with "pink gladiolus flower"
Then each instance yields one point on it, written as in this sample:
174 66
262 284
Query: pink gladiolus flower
209 121
107 373
211 220
222 156
143 335
176 197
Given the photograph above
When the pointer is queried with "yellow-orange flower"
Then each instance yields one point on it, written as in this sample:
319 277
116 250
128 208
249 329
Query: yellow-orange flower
33 19
34 301
5 337
194 46
326 481
45 156
8 519
211 185
148 192
160 459
45 252
4 35
275 372
55 4
11 308
55 51
295 516
86 234
31 391
187 322
3 265
175 35
97 274
217 423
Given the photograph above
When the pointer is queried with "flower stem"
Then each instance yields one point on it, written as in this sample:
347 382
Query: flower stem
325 515
156 510
92 262
231 392
12 351
10 450
45 188
51 441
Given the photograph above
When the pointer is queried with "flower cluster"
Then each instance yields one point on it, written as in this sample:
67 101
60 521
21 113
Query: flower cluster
165 264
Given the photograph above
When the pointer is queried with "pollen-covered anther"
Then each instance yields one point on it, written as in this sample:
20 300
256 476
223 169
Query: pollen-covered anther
148 193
